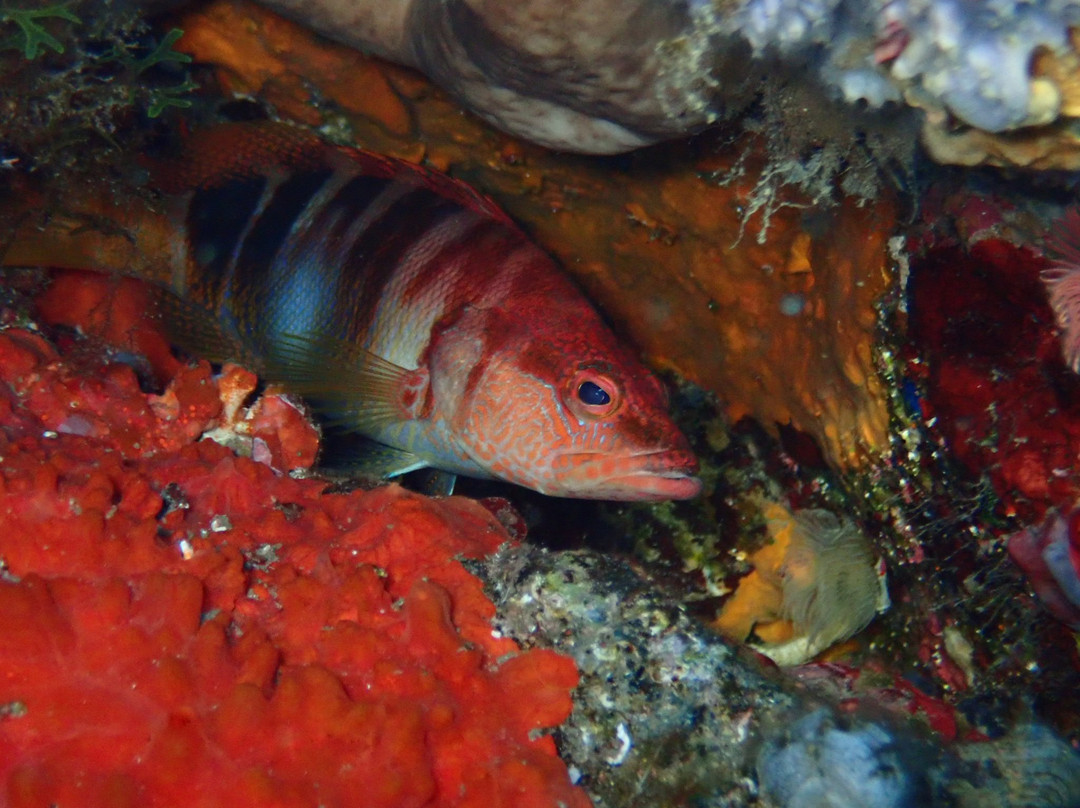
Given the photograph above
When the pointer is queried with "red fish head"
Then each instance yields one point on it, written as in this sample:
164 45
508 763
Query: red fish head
572 417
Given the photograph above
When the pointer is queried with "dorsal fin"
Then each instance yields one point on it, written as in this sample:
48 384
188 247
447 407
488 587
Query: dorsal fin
443 184
213 157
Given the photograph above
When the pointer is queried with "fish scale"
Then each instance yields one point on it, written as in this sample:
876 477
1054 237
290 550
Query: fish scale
403 305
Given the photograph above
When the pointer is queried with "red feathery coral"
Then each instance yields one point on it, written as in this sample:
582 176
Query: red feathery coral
182 624
1062 281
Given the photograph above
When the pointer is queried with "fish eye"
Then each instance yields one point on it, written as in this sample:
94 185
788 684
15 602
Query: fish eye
590 394
593 394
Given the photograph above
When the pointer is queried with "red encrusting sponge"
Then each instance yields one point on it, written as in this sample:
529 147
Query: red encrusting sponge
186 625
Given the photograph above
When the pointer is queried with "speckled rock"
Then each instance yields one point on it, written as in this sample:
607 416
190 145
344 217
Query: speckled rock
666 711
609 75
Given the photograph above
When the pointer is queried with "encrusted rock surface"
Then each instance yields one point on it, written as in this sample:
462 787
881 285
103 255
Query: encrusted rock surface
666 711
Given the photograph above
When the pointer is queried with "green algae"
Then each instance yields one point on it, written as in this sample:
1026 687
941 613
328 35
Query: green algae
79 78
33 37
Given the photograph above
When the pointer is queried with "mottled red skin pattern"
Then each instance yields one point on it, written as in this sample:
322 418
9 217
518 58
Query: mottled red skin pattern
519 405
182 625
521 410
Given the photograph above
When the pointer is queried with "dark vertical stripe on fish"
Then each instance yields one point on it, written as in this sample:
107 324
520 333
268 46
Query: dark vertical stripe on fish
302 284
252 283
378 250
216 220
335 225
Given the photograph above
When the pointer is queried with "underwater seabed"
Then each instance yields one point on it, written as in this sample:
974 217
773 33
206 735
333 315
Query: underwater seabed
874 603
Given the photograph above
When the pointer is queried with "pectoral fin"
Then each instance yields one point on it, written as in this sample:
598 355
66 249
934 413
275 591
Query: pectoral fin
435 482
351 388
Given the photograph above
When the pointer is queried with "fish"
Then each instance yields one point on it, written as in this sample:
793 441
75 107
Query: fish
400 303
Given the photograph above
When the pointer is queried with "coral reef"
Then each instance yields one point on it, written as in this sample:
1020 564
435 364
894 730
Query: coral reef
914 386
821 761
1053 94
994 378
984 446
182 622
617 75
986 82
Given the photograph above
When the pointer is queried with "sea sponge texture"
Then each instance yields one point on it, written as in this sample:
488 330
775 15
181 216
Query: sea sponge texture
185 625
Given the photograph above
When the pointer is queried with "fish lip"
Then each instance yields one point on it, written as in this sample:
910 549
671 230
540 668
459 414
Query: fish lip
662 474
657 486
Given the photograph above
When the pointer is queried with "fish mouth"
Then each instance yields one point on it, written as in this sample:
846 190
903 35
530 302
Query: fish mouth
648 476
656 486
